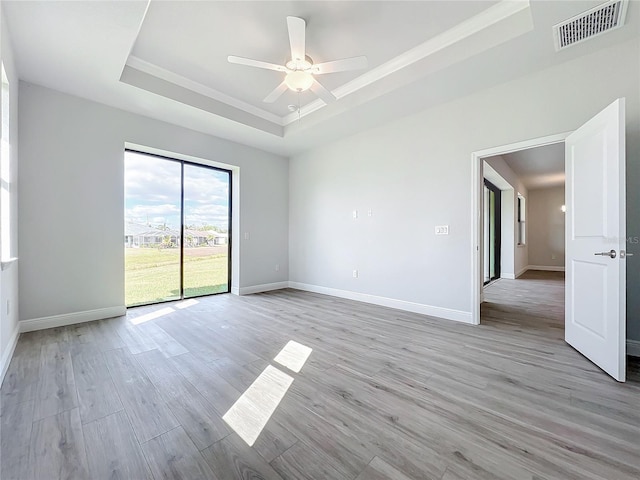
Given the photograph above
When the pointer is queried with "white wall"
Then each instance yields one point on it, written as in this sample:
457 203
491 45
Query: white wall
415 173
72 201
9 276
546 227
519 254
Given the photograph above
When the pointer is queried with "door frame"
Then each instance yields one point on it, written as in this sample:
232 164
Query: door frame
477 182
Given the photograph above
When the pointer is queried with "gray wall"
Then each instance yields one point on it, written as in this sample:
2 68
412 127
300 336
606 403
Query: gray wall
415 173
546 227
72 201
9 276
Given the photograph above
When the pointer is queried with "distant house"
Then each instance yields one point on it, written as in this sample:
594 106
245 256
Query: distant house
196 238
138 235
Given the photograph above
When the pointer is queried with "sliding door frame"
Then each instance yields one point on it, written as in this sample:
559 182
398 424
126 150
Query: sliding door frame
497 233
182 226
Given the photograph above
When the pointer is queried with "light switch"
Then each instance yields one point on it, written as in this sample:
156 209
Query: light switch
442 229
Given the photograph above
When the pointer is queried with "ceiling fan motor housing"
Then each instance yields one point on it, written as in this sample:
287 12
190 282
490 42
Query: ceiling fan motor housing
298 64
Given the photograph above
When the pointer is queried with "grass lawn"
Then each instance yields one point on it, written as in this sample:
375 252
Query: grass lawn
153 275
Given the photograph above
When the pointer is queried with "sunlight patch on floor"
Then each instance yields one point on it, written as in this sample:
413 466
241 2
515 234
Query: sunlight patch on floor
151 315
162 312
186 303
293 356
251 412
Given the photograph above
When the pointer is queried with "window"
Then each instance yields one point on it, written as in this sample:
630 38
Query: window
521 220
5 174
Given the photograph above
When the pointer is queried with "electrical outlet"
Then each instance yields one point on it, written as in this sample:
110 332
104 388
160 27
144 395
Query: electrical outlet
355 214
553 256
355 274
370 213
246 235
277 267
442 229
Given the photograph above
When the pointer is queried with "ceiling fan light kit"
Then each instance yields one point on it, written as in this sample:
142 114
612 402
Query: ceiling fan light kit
299 80
300 70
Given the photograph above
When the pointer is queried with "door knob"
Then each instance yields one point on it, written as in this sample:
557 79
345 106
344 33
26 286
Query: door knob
611 253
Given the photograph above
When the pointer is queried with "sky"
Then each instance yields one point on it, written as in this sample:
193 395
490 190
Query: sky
152 193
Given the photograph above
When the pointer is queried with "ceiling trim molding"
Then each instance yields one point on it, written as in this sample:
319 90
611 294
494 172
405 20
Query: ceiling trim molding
138 30
169 76
491 16
164 88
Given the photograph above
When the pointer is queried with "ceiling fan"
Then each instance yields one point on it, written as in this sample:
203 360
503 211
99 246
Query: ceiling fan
300 70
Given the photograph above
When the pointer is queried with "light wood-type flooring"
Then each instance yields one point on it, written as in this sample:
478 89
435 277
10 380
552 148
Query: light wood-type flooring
384 394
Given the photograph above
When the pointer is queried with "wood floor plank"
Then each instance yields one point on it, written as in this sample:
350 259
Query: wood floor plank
148 413
378 469
56 390
215 388
304 462
168 345
274 440
238 376
57 448
23 375
96 392
135 339
172 456
15 430
232 459
106 335
113 452
200 420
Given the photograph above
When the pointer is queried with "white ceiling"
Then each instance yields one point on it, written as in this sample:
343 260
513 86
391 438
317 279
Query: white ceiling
167 60
540 167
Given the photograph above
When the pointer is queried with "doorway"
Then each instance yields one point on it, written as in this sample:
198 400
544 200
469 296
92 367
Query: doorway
177 229
513 244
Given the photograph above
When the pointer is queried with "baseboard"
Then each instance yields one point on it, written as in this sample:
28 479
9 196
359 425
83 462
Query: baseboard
522 271
8 354
235 290
265 287
508 276
432 311
71 318
545 268
633 348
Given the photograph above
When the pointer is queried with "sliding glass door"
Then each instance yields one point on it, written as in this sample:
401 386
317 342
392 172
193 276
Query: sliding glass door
206 231
177 226
492 234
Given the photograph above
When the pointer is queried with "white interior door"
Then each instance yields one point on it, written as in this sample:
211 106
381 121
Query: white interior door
595 316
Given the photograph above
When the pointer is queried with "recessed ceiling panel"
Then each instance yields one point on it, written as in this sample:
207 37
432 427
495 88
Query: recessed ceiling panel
193 39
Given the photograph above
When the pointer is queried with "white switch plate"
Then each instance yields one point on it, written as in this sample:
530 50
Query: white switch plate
355 214
355 274
246 235
442 229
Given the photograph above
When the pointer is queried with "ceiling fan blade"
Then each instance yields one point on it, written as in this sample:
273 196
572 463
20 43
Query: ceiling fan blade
256 63
323 93
273 96
296 28
353 63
